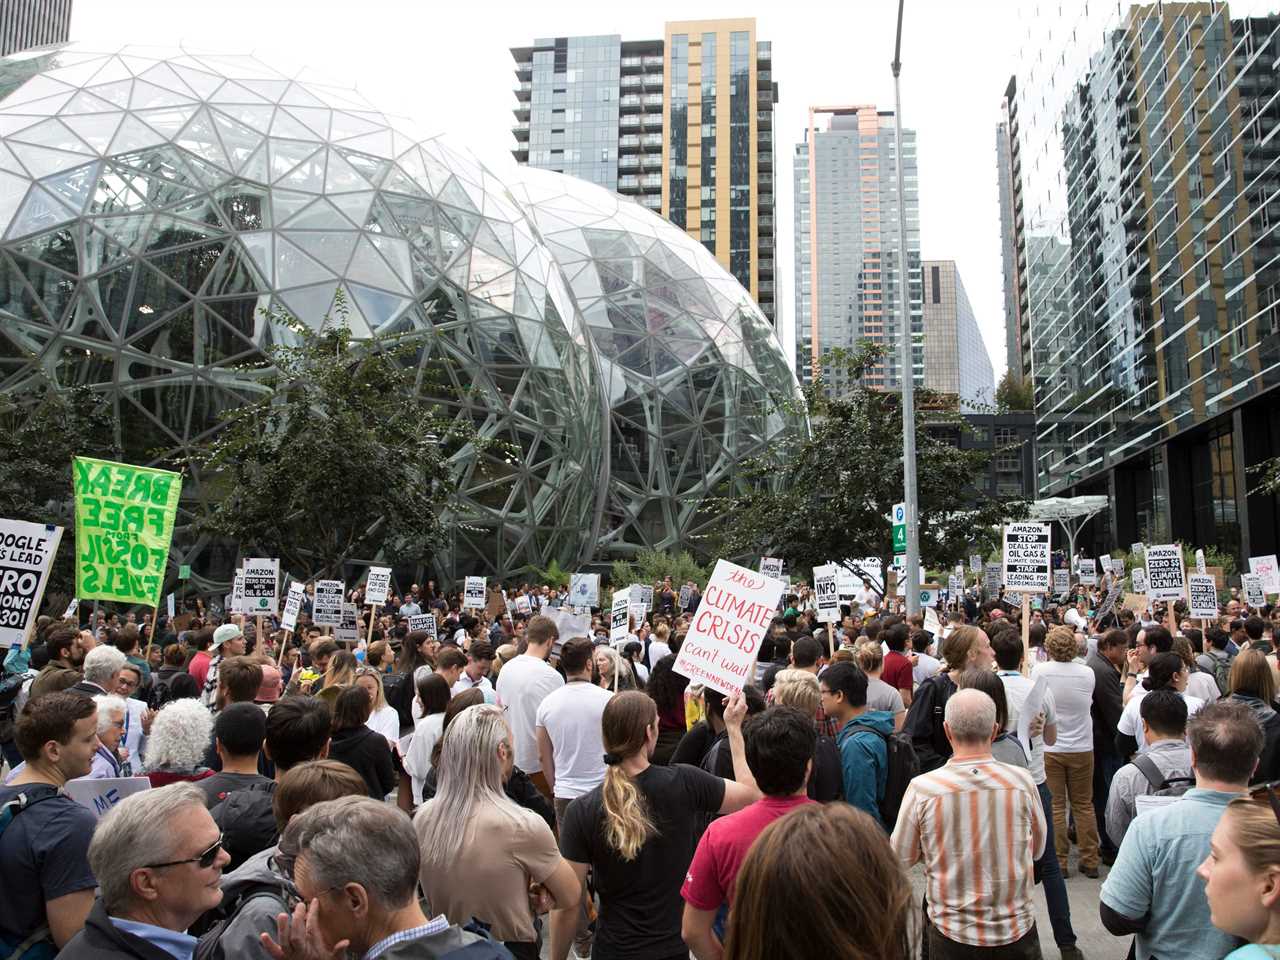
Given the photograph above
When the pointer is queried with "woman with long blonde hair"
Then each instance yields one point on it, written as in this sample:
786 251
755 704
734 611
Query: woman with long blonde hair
637 832
1241 874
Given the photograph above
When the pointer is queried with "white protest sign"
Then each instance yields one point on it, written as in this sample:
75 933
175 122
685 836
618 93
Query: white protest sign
1028 711
1202 596
423 622
685 593
646 598
991 581
932 622
1164 572
584 589
1026 558
1062 581
1266 568
737 608
569 624
1137 550
619 617
237 593
1109 602
261 577
377 586
102 793
771 567
169 605
524 604
292 605
348 631
1086 571
26 553
975 564
825 593
1199 563
1139 578
1254 595
473 593
1117 567
1104 563
955 586
637 608
72 608
326 609
846 583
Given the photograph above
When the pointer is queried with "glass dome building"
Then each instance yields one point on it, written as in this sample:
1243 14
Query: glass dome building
155 205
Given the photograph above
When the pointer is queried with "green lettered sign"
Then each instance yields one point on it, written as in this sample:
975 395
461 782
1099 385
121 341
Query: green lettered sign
124 525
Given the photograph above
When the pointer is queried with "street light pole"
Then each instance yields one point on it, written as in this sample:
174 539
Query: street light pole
907 377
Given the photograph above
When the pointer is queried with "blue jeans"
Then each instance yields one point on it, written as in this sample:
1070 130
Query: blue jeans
1055 888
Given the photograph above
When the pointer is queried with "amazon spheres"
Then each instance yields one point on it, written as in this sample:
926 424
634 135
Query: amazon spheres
161 211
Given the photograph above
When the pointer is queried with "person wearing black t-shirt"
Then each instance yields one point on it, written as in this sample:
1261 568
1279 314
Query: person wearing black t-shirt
638 830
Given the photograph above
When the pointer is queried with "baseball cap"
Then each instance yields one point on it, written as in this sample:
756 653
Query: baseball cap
228 631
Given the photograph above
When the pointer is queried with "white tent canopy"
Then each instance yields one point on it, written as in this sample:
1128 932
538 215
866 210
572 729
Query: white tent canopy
1072 513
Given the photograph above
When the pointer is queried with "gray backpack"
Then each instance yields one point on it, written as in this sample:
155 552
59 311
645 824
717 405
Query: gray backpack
1160 786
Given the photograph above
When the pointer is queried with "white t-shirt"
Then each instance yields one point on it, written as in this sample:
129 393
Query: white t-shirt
522 686
386 721
1016 688
926 667
1072 687
464 684
1203 685
657 650
417 759
571 717
1131 720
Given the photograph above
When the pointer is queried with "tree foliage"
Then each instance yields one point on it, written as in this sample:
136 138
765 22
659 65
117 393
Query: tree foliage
346 457
1268 476
39 434
651 566
1012 396
553 575
833 498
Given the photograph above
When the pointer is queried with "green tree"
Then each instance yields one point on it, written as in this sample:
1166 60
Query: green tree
345 457
553 575
833 498
1268 476
651 566
1012 396
41 429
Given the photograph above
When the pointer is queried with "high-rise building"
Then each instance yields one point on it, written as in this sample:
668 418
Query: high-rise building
955 358
1009 180
848 262
33 23
683 124
1146 212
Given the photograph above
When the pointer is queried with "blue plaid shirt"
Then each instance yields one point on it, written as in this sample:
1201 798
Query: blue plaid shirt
438 925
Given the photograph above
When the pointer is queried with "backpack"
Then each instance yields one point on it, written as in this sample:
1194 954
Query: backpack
1160 787
10 687
212 923
902 767
1222 674
39 945
399 690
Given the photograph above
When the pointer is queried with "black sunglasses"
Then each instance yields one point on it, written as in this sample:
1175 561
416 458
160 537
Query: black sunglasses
205 859
1272 797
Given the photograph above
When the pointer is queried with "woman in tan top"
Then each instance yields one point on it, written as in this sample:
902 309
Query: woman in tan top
483 856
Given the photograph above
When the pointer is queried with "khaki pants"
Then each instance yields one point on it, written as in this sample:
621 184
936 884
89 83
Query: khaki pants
1069 777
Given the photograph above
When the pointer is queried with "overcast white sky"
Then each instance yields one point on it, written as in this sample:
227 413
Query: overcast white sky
446 64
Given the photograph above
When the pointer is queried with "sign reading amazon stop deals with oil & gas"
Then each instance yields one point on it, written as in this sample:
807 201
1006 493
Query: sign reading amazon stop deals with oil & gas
724 639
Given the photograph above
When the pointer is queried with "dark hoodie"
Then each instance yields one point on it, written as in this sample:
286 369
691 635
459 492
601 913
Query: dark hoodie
247 822
1269 762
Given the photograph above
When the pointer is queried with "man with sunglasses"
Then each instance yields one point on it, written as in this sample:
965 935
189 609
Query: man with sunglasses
158 858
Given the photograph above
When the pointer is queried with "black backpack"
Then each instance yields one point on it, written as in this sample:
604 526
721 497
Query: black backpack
903 766
212 923
399 690
10 687
1161 787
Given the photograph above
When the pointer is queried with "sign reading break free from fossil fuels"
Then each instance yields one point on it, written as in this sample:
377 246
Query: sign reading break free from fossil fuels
736 610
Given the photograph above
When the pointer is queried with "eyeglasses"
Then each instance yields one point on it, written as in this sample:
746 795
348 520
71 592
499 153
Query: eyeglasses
205 859
1272 796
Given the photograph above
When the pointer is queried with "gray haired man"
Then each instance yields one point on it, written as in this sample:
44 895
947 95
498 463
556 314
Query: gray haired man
102 666
158 858
354 862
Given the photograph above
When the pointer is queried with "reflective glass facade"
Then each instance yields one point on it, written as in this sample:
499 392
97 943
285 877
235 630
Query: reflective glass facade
153 205
954 353
1144 177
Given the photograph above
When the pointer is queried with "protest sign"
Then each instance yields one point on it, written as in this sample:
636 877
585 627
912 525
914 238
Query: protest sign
237 593
955 586
348 631
26 553
645 600
1137 602
975 564
1202 597
619 617
124 526
1087 572
1117 567
584 589
1139 578
473 593
771 567
685 593
825 593
846 583
570 624
1061 581
261 583
1028 712
636 608
991 581
932 622
292 604
524 604
1164 572
326 610
377 586
1137 551
1265 567
1026 558
102 793
71 610
930 594
423 622
737 608
1104 564
1108 603
1199 563
1254 595
169 606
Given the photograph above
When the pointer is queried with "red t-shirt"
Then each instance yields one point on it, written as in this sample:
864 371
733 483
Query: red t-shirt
199 668
724 846
897 671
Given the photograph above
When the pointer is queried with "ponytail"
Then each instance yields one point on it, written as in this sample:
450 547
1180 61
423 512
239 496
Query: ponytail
625 727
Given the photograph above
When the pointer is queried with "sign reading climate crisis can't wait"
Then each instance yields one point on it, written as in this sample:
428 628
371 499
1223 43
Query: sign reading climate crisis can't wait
124 525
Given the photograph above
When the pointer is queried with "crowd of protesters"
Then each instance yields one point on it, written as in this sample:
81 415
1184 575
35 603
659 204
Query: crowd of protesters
496 787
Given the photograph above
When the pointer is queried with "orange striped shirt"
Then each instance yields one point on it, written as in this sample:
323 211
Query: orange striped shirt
977 825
